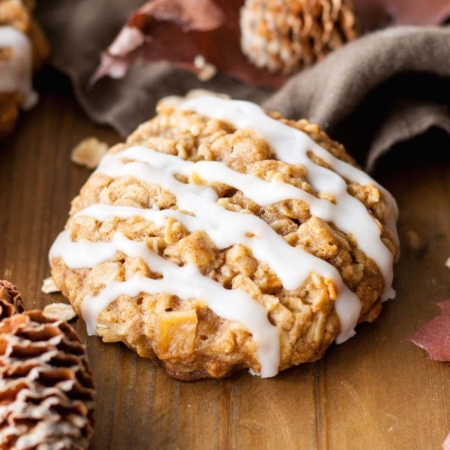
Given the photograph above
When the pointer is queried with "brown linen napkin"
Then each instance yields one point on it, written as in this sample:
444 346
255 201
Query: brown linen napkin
382 89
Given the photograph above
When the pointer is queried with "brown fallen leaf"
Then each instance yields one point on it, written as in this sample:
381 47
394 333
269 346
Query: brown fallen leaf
434 336
184 32
381 13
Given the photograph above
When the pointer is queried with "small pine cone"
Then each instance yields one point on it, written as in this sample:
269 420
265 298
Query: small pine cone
10 300
46 387
287 35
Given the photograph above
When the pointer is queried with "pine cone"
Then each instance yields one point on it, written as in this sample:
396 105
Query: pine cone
287 35
46 387
10 300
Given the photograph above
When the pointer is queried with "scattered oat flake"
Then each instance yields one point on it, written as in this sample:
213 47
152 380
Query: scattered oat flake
89 152
59 311
447 263
206 70
434 336
49 286
414 240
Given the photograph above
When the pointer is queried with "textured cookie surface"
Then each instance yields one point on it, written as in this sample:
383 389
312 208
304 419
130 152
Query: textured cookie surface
128 225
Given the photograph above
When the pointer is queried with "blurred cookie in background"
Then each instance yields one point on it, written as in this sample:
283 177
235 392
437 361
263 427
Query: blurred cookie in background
23 51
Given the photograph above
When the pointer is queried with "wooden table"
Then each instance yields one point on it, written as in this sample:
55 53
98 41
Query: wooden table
377 391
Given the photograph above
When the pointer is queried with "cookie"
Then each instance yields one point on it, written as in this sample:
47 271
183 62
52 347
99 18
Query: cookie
23 50
220 238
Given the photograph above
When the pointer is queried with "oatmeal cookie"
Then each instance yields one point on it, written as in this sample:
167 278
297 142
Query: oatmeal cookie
220 238
23 51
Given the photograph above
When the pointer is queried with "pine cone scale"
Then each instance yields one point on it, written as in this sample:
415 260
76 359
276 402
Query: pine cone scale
46 387
10 300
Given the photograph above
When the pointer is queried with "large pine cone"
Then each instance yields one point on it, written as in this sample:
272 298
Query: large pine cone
287 35
46 387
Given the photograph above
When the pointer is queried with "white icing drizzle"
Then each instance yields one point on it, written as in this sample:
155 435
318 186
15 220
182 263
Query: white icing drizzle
292 146
349 214
16 72
185 282
226 228
292 265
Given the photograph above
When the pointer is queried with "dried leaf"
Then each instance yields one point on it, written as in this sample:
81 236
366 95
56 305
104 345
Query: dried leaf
49 286
89 152
380 13
179 31
446 444
434 336
59 311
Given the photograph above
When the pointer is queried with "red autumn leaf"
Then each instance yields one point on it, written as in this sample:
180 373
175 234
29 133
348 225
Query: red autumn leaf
446 444
380 13
434 336
178 31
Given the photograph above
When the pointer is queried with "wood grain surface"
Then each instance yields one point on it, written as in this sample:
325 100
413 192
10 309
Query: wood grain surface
377 391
